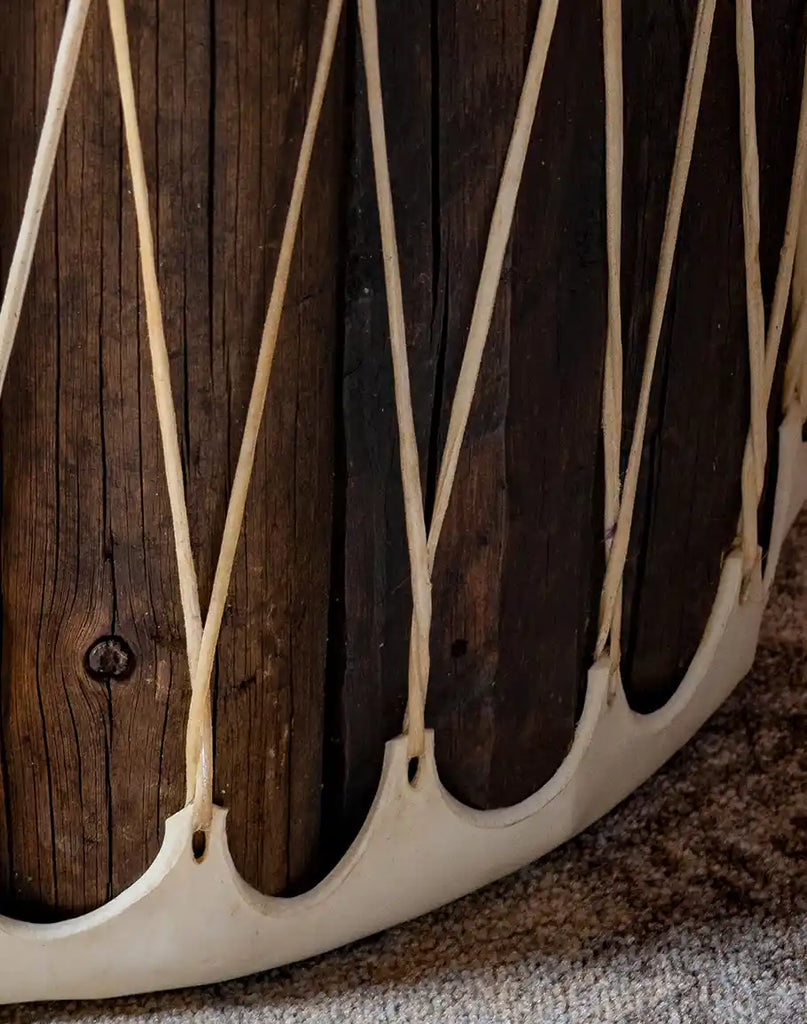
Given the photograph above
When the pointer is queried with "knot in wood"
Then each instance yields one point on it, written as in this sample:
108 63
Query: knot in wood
109 657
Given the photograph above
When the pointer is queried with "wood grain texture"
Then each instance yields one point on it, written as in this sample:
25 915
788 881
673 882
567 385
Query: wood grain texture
90 770
687 503
272 653
371 598
520 565
505 683
311 669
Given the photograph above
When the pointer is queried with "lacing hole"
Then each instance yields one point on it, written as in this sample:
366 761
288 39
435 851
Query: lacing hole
412 769
199 844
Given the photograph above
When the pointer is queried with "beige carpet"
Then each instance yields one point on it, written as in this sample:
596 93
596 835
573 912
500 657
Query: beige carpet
687 904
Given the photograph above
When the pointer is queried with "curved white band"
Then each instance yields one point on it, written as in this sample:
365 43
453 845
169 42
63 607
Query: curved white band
418 849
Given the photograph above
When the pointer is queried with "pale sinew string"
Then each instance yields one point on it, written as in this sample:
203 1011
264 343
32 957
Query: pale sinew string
764 350
612 374
610 616
64 72
762 353
201 659
422 547
202 640
201 782
753 472
795 390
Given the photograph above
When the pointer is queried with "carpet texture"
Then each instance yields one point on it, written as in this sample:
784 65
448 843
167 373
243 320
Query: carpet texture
686 904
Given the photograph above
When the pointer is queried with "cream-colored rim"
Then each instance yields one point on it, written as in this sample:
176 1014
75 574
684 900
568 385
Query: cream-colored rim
189 921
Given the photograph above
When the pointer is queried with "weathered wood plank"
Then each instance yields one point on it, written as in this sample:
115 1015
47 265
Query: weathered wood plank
481 58
92 768
268 706
56 722
688 502
507 691
371 598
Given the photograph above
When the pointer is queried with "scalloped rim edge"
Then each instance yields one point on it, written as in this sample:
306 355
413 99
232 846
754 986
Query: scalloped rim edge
185 922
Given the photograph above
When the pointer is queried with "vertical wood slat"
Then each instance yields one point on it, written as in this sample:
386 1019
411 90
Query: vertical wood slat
508 691
503 713
91 770
272 650
371 599
687 509
696 424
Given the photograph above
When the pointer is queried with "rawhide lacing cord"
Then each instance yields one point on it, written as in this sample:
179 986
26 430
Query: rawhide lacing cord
64 72
609 619
202 640
422 546
620 499
753 471
612 376
161 377
763 350
795 389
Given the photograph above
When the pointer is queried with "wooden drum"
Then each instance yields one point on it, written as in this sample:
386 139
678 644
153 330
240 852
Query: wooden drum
401 417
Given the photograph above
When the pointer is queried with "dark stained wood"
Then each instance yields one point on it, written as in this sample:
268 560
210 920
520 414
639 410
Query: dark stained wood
505 690
518 575
57 724
311 671
698 414
475 110
272 654
371 599
779 42
687 508
91 770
